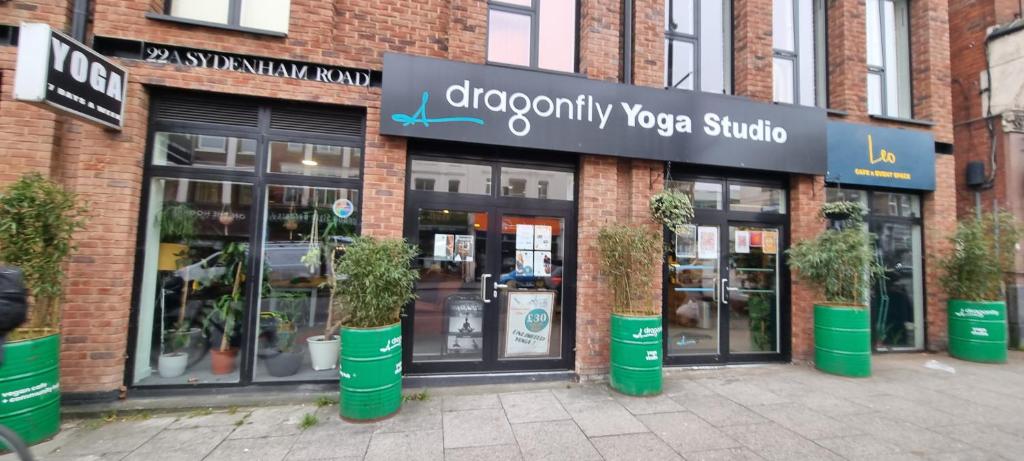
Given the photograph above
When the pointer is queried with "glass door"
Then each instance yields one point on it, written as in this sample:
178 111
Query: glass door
751 285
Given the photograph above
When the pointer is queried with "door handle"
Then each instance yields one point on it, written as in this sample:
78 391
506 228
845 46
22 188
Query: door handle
483 287
498 286
724 291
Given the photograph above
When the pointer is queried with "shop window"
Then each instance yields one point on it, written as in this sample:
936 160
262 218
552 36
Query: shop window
201 151
698 45
255 14
757 199
888 58
315 160
703 194
468 178
530 183
533 33
796 37
211 307
896 204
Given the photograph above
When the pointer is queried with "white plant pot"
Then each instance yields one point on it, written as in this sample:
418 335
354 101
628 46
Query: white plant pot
172 365
324 353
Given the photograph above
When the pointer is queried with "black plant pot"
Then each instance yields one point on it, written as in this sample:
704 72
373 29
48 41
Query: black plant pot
838 215
283 364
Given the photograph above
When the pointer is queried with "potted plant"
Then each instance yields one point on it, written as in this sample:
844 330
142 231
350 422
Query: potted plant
370 284
974 277
671 209
281 359
38 219
841 263
843 210
636 327
227 309
177 223
174 360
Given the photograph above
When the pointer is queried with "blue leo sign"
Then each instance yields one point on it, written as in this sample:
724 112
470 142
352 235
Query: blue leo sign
880 157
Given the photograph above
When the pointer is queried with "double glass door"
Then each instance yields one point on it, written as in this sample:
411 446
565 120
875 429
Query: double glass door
724 295
492 293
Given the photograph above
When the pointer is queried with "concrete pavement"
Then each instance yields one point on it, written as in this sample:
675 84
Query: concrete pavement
906 411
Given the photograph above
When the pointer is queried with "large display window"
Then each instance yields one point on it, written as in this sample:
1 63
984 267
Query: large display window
242 212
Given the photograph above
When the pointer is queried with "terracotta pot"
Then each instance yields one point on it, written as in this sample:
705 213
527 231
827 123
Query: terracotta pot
223 362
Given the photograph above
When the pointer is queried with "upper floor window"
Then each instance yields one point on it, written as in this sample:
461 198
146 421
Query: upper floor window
798 43
255 14
698 45
533 33
888 47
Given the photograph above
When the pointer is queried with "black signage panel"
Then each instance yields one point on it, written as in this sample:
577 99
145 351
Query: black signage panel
58 71
439 99
877 156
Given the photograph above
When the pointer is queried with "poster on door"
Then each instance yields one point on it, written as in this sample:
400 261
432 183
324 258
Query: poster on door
686 241
770 243
524 236
542 263
528 326
542 238
524 263
463 248
707 242
444 247
742 242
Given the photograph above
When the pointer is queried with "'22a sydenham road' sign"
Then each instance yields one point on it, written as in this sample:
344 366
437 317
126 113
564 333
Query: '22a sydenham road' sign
57 71
439 99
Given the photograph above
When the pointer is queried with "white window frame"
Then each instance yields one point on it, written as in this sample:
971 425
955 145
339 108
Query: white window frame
819 44
234 18
904 104
696 40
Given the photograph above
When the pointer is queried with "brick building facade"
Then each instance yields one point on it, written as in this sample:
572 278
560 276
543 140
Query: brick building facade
108 169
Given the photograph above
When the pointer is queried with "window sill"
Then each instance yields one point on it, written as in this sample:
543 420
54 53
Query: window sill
536 69
214 25
908 121
836 112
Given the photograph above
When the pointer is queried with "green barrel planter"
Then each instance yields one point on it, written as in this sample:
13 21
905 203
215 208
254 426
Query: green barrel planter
371 372
636 355
977 330
842 340
30 388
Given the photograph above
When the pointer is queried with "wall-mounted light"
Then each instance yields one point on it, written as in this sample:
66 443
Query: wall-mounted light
308 162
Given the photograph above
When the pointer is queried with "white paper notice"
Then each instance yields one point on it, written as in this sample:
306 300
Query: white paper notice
464 248
542 238
528 331
707 242
524 263
742 241
542 263
524 236
444 247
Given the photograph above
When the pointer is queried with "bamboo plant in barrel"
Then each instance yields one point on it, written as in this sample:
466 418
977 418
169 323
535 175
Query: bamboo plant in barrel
38 219
841 263
974 275
372 281
627 256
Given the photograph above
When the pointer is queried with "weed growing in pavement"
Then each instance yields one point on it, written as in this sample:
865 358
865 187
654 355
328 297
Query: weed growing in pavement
110 417
232 410
421 395
308 420
323 401
240 422
200 412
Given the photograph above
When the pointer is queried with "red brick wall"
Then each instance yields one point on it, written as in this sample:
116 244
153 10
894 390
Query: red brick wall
806 195
752 48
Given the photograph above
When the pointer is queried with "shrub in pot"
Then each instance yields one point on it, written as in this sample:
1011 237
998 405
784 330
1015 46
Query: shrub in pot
38 219
281 359
370 284
174 359
227 309
626 255
974 276
841 263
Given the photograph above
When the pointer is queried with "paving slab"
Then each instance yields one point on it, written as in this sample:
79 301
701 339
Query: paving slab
116 437
554 441
630 447
470 402
415 416
492 453
264 449
774 442
332 439
530 407
272 422
686 432
476 428
603 417
744 391
648 405
181 444
909 437
406 446
1009 445
218 418
859 446
804 421
582 393
726 454
721 412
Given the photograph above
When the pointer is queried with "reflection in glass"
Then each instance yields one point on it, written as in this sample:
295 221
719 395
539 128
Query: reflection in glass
681 20
531 302
896 204
557 35
508 38
193 288
896 300
682 72
203 151
314 159
757 199
467 178
782 79
527 183
783 28
707 195
448 314
753 289
714 46
302 231
692 317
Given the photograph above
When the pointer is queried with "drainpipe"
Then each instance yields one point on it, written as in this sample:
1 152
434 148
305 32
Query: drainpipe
627 41
79 18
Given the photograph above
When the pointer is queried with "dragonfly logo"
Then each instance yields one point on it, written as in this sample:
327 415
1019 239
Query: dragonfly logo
420 116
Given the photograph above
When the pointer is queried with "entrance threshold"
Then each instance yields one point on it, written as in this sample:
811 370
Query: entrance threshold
464 379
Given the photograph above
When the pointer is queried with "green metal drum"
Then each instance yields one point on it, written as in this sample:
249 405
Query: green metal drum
371 372
636 355
30 388
842 340
977 330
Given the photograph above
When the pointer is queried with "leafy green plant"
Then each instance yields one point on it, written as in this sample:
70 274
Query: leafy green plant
672 209
324 401
228 308
983 256
759 309
285 330
839 262
308 420
38 219
177 339
377 281
627 254
177 222
844 210
416 396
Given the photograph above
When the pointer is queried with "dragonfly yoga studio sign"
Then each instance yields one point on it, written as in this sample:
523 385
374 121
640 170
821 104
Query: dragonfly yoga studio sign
439 99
